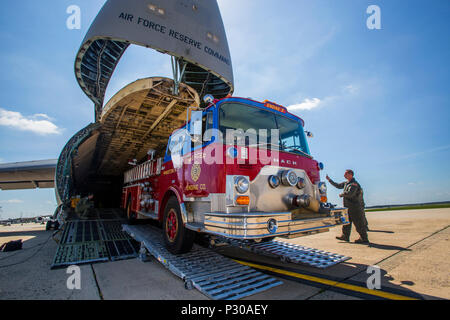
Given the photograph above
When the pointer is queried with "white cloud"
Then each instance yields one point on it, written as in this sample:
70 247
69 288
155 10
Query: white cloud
38 123
307 104
351 89
12 201
42 115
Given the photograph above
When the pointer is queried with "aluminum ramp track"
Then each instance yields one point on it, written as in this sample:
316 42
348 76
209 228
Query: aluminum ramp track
217 277
293 253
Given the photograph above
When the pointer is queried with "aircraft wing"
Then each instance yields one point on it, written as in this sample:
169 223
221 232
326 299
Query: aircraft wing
28 175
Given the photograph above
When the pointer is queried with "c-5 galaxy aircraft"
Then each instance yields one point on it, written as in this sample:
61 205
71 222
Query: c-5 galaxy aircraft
191 32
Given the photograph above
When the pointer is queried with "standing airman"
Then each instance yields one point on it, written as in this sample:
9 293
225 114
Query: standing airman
353 200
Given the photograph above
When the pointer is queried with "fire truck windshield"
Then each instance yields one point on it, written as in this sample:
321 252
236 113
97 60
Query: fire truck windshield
235 116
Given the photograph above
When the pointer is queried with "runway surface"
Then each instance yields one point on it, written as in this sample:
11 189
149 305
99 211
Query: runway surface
409 247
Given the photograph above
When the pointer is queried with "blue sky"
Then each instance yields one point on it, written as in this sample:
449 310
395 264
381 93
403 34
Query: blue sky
377 101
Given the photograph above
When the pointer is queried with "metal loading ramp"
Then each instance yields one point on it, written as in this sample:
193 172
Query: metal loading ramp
217 277
292 253
99 239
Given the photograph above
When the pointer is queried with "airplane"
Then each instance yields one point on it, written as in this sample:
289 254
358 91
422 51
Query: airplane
192 34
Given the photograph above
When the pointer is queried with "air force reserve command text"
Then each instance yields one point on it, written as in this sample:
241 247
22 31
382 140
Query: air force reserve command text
228 309
156 27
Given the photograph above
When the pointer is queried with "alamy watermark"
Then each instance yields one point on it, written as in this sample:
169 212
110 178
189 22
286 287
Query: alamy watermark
374 280
73 22
244 147
74 280
374 20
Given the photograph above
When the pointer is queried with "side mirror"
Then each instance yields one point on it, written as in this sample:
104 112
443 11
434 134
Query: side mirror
209 125
151 154
196 126
309 134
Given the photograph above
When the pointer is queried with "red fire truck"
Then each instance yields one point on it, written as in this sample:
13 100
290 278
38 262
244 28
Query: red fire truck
236 186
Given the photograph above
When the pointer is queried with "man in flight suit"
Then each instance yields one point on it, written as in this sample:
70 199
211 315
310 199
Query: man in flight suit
85 207
353 200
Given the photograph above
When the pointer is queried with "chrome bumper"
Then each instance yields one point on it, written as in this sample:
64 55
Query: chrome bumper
257 225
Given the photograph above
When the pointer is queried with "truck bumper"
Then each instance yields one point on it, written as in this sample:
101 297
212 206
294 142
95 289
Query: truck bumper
257 225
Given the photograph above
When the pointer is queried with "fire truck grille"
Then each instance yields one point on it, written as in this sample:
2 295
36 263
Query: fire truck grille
216 276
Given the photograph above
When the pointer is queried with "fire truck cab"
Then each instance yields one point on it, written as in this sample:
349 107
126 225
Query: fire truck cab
239 169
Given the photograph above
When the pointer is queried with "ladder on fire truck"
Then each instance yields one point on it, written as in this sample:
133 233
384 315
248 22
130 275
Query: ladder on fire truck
219 277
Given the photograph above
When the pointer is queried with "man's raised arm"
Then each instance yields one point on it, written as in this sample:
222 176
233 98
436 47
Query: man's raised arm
336 185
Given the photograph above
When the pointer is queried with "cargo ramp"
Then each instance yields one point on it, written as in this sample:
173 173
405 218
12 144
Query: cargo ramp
98 239
290 253
217 277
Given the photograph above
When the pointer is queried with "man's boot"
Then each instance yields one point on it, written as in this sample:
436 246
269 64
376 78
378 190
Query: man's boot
343 238
361 241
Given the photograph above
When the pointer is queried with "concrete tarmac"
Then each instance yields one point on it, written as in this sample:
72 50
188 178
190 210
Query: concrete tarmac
410 247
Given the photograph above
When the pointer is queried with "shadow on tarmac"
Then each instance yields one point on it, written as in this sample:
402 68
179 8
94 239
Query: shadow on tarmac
380 231
379 246
387 247
354 274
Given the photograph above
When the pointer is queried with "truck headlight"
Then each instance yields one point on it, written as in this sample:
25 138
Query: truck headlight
289 178
322 188
241 184
301 183
274 181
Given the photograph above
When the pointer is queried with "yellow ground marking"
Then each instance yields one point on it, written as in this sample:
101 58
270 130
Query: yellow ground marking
332 283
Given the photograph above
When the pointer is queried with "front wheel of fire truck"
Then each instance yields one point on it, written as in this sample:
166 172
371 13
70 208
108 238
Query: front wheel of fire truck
177 238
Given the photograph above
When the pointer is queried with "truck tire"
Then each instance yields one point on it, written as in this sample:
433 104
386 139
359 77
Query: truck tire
131 216
48 225
177 238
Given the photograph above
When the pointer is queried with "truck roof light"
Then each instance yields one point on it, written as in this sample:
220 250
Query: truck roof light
209 98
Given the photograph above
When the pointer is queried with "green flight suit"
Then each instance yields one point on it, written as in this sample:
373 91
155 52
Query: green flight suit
353 200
